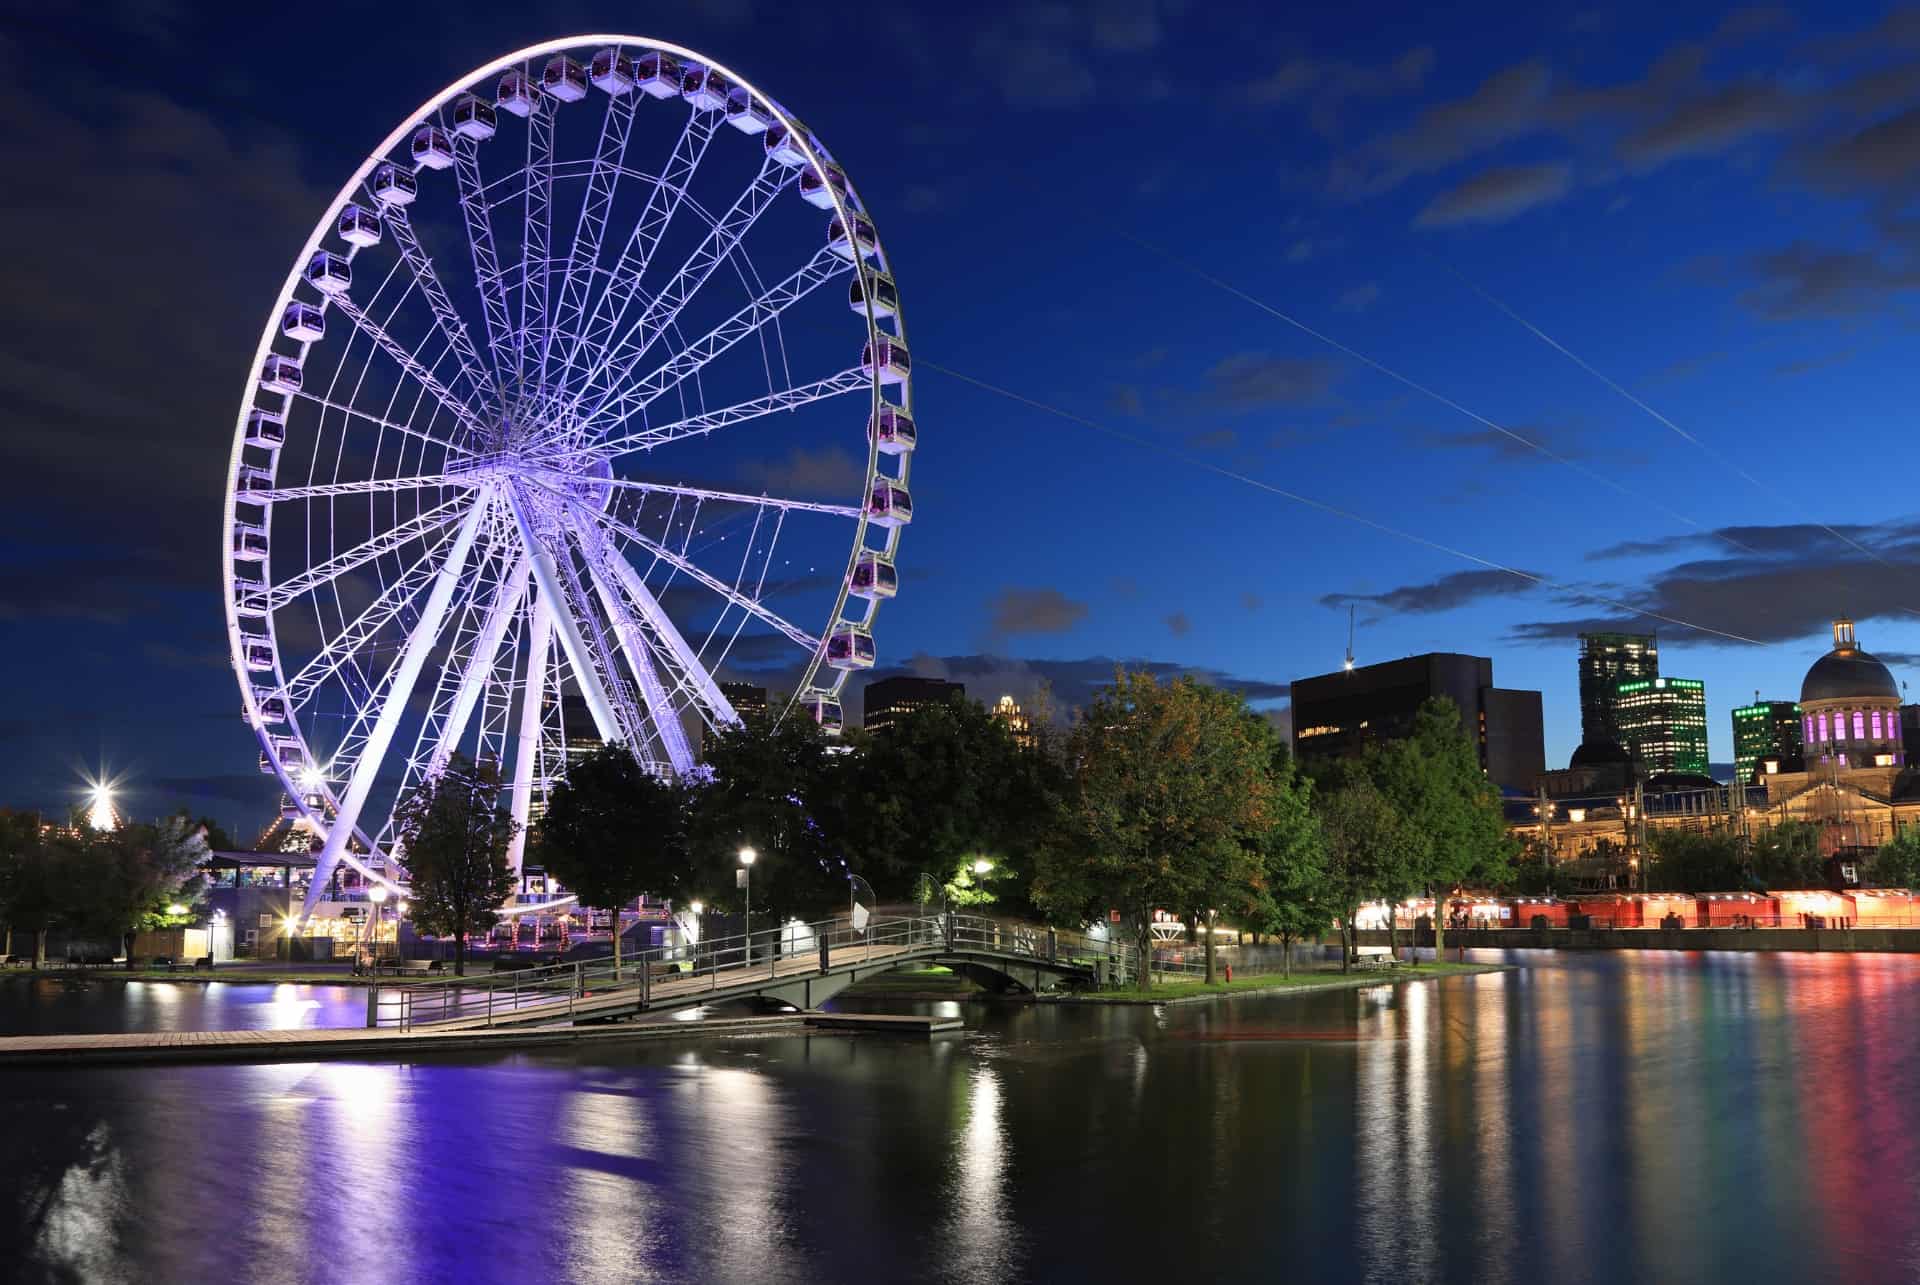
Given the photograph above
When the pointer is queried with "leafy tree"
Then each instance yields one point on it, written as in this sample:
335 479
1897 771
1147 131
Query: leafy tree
1370 851
1788 856
32 880
1169 795
1897 863
947 786
1291 901
453 834
613 830
772 788
1695 861
1433 778
118 882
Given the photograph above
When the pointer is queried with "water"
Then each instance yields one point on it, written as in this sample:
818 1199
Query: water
71 1004
1634 1116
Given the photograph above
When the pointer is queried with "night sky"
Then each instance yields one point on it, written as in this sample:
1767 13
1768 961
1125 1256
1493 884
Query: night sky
1099 208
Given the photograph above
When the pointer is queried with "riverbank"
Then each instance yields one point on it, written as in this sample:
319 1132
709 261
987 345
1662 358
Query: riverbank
1274 983
1882 940
241 974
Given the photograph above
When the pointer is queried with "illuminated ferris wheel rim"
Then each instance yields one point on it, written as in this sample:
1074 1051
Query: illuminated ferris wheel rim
501 486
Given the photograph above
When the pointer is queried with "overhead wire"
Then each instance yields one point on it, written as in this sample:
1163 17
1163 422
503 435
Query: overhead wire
1717 456
1245 479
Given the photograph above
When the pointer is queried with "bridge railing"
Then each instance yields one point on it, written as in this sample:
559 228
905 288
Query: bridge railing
729 962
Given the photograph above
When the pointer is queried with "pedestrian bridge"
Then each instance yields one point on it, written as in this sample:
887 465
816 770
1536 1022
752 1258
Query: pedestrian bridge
800 964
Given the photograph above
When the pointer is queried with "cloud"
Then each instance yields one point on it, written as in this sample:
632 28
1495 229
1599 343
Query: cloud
830 471
920 198
1250 381
1179 624
1033 611
1806 280
1806 365
1252 601
1125 399
1883 157
1799 577
1328 85
1497 195
1071 684
1505 106
1714 123
1033 58
1359 298
1444 594
1126 26
1504 445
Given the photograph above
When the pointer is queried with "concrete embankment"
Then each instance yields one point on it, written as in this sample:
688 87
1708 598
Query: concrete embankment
1902 940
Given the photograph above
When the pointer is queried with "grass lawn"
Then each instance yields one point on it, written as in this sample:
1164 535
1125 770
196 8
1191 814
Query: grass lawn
1300 981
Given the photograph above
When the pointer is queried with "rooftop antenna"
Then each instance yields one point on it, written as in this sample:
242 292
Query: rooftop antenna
1349 638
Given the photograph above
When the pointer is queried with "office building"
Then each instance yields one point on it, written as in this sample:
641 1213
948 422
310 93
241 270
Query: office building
1766 740
1605 661
745 698
1662 722
1008 711
1340 714
889 699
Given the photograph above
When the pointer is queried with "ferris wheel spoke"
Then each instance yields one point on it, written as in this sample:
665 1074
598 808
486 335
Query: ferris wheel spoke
549 479
486 260
472 369
536 245
693 676
653 694
546 575
663 202
655 549
413 658
365 486
527 733
480 661
631 398
377 421
583 257
609 372
656 435
463 411
270 598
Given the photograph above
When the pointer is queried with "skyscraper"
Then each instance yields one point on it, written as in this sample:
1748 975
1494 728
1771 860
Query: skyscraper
889 699
1763 732
1606 660
746 698
1662 722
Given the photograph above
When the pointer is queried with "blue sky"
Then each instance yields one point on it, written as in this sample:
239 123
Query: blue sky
1716 209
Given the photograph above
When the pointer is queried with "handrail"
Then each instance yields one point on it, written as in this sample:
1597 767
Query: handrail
725 961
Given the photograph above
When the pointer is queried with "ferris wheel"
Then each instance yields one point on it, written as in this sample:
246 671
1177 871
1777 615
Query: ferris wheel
590 387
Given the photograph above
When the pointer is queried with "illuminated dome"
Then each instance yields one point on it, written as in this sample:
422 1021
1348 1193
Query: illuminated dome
1847 673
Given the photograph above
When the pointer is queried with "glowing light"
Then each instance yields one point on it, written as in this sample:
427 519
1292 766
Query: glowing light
400 908
982 866
176 909
377 894
101 814
698 907
748 856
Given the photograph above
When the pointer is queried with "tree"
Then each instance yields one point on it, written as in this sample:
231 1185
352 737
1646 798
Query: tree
772 788
1788 856
1696 861
1434 779
613 830
1291 901
32 880
1370 850
1168 796
120 881
453 834
1897 863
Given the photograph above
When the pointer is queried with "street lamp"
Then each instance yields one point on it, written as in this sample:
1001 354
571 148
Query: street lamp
747 856
981 866
377 894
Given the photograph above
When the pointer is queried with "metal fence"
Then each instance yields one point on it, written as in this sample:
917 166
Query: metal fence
736 963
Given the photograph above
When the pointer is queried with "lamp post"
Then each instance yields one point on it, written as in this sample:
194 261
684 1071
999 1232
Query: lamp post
747 856
378 896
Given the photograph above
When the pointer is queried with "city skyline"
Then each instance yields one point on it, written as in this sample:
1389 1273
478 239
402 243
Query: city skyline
1543 165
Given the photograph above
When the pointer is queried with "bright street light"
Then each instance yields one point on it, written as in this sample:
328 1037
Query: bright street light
697 908
176 909
377 894
981 866
747 856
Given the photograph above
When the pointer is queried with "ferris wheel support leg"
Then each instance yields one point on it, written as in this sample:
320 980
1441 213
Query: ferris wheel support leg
546 574
412 659
486 649
650 611
532 701
665 721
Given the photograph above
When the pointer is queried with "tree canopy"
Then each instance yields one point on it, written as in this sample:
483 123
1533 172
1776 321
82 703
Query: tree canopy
453 834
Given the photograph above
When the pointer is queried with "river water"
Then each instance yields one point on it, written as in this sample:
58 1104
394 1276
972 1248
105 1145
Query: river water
1630 1116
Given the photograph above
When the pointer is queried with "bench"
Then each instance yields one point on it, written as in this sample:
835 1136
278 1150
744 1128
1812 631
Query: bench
1379 963
405 967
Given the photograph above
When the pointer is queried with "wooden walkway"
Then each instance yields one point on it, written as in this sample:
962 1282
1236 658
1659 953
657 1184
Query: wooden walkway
306 1044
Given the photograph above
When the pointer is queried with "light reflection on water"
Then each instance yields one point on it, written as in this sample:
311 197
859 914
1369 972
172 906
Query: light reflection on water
1611 1117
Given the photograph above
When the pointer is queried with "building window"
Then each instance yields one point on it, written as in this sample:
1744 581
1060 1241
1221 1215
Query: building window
1859 725
1876 725
1823 728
